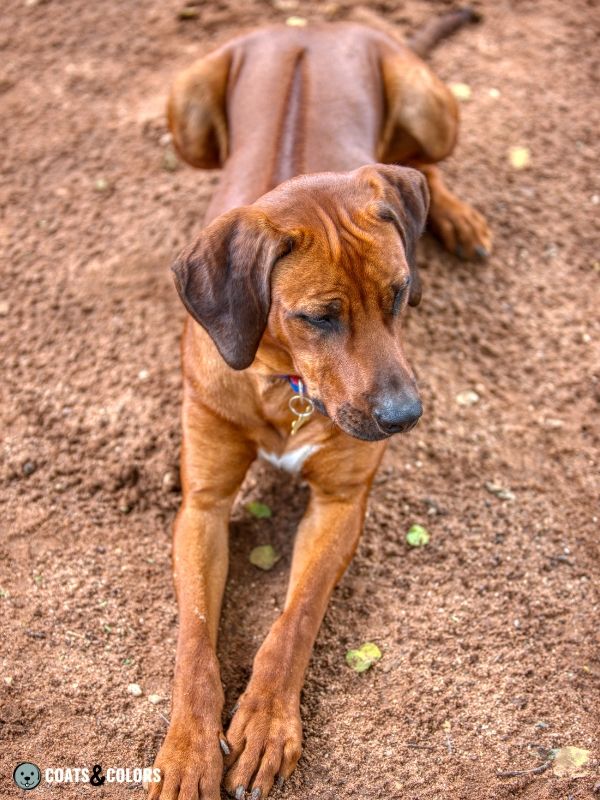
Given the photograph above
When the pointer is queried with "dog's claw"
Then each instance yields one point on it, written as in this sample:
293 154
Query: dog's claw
255 794
280 781
224 746
240 792
481 251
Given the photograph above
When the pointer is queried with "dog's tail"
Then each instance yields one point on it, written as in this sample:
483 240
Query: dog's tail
424 40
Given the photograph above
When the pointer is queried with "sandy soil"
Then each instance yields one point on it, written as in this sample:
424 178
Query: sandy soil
490 633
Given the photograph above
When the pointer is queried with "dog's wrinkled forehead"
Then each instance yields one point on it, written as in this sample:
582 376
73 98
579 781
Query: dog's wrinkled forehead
342 220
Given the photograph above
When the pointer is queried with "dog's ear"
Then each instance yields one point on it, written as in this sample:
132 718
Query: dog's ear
224 280
196 110
407 195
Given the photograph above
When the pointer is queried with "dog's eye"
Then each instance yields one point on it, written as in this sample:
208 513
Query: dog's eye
399 295
326 322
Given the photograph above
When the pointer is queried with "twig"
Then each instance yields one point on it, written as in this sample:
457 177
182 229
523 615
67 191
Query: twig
419 746
449 744
518 772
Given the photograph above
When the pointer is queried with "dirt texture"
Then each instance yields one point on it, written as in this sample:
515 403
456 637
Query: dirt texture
490 632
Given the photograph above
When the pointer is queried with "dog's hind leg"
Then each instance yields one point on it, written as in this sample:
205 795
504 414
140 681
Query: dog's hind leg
420 129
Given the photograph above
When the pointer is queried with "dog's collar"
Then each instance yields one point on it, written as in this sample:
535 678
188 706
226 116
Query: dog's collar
300 404
295 382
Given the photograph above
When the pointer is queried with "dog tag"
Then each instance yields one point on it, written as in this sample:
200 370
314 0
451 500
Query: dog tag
301 407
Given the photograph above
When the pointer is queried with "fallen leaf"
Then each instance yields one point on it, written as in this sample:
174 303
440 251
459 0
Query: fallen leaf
519 157
568 762
362 659
417 536
462 91
259 510
264 556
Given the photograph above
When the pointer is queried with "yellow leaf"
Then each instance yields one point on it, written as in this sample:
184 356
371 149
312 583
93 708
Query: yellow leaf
569 761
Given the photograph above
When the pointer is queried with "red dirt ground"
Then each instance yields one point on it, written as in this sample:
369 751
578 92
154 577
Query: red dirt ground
490 633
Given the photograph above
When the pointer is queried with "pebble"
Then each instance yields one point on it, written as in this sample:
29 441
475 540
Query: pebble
154 698
461 91
135 689
519 157
101 185
495 93
143 375
467 398
296 22
500 492
171 482
170 162
29 467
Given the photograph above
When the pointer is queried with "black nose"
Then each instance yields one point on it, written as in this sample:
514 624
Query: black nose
396 413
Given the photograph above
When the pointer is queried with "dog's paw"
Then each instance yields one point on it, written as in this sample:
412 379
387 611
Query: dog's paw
265 736
462 229
190 763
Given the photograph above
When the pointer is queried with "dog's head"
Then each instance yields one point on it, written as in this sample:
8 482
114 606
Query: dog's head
322 267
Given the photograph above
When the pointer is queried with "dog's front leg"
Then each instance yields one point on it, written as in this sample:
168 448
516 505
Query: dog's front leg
213 463
266 731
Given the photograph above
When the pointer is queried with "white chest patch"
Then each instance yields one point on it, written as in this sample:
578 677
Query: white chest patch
291 461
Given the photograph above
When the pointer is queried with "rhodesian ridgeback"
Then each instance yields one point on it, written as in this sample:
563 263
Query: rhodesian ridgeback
296 290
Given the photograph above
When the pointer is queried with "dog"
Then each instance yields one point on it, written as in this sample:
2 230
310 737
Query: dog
296 290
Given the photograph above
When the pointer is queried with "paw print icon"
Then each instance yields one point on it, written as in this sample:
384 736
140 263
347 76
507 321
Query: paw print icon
27 775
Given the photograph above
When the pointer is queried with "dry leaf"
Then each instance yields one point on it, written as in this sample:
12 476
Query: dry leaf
568 762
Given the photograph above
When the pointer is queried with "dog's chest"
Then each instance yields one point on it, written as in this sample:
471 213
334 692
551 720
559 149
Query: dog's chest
292 460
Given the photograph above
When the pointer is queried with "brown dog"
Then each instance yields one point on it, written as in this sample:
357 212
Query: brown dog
307 279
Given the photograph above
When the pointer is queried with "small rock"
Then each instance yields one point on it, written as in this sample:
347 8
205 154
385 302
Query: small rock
154 698
519 157
500 492
187 13
135 689
171 482
495 93
461 91
29 467
101 185
467 398
8 680
296 22
4 308
170 162
143 375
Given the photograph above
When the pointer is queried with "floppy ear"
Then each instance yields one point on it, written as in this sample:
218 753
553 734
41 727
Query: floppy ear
196 110
408 196
224 280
